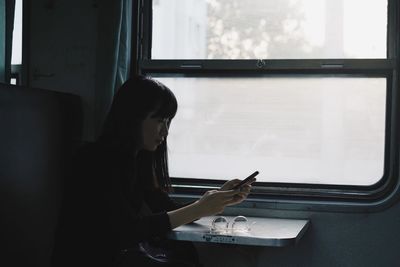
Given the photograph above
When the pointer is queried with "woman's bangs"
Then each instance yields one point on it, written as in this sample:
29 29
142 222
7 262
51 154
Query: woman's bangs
168 105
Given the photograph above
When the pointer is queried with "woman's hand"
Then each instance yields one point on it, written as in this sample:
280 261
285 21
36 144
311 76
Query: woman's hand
211 203
243 191
231 184
214 201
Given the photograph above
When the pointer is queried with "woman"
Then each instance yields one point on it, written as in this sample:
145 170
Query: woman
116 209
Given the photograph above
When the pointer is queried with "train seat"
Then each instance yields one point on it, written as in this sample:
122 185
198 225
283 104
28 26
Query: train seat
38 132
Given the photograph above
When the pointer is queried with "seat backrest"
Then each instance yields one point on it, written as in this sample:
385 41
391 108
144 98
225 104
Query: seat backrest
38 131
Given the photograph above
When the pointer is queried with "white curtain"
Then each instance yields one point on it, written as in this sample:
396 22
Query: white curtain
113 54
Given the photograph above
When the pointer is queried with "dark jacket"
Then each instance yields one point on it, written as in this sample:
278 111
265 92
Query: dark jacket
102 209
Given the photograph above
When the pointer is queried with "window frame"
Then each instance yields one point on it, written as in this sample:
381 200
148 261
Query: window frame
290 195
19 72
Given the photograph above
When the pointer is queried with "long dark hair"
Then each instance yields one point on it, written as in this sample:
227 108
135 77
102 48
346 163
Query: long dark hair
134 101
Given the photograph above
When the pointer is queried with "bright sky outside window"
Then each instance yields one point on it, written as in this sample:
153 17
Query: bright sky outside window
319 130
269 29
16 56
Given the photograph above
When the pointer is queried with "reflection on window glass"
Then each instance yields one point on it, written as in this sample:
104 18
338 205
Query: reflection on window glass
16 56
324 130
284 29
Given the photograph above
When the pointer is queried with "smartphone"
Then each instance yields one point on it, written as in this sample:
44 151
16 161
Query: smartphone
245 181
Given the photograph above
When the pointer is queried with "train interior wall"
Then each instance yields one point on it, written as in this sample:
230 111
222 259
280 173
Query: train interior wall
64 43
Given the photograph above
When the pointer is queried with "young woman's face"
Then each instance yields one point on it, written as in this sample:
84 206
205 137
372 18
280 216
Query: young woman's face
154 132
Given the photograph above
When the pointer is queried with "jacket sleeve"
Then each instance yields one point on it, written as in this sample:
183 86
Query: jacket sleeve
127 224
159 201
110 211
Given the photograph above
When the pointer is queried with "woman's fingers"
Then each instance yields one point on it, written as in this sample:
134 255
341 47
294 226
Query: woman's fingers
228 194
227 197
232 183
229 184
245 190
251 181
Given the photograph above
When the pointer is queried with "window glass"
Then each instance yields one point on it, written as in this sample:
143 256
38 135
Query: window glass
293 129
16 56
269 29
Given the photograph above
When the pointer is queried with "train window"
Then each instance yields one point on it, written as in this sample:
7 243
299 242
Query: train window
302 91
16 53
226 29
291 129
16 56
